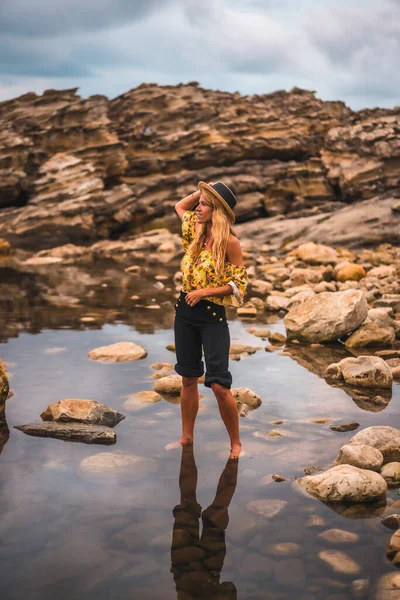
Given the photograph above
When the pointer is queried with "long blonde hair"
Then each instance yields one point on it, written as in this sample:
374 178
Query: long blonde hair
221 228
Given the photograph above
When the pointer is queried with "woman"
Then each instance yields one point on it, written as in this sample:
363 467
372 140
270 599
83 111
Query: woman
213 277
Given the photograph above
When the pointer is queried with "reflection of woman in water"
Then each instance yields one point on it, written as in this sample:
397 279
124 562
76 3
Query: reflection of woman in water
196 561
213 277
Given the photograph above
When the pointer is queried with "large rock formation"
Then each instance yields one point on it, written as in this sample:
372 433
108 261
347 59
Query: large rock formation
82 170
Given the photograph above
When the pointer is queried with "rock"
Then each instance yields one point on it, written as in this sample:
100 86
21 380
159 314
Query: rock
282 549
339 536
171 384
119 352
241 348
71 432
387 587
391 521
299 298
245 396
170 347
349 272
267 508
396 373
145 397
278 478
276 303
345 483
114 464
247 311
315 254
277 338
344 427
5 248
261 333
339 562
391 473
393 549
383 438
374 333
359 588
315 522
82 411
361 456
258 286
327 317
301 276
4 386
361 372
383 271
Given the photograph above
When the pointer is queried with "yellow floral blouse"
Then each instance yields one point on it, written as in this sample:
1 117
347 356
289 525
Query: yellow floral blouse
201 273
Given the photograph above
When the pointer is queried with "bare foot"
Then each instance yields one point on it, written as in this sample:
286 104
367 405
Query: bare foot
184 441
236 451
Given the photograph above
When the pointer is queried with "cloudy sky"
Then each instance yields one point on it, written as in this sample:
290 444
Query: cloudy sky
343 49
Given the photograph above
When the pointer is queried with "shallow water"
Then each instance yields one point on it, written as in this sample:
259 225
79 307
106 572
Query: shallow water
69 533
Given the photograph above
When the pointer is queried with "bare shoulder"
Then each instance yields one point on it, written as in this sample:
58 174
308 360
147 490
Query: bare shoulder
234 251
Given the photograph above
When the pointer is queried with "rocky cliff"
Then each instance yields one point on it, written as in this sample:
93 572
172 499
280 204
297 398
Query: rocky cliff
80 171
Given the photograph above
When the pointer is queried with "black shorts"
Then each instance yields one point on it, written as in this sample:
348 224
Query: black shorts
204 326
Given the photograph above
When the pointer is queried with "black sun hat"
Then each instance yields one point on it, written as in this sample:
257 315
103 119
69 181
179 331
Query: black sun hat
223 194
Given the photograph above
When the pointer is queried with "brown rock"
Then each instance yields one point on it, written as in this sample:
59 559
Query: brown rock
82 411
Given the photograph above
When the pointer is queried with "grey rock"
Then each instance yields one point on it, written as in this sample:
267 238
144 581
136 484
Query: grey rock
71 432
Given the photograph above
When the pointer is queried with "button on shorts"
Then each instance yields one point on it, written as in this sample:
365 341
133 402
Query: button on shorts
198 327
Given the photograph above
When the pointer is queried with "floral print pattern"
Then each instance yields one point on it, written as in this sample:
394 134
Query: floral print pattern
201 273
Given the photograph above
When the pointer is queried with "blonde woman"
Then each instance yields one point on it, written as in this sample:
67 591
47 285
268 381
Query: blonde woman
214 276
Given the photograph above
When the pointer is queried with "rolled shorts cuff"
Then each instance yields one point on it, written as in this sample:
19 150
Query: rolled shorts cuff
224 378
186 371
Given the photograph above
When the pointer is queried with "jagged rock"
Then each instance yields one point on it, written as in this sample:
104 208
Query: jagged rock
244 396
361 372
361 456
345 483
383 438
119 352
327 317
82 411
71 432
374 333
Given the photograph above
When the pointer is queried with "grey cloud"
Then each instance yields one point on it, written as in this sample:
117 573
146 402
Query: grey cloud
46 18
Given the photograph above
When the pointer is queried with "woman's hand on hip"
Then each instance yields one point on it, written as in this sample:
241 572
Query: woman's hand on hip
194 297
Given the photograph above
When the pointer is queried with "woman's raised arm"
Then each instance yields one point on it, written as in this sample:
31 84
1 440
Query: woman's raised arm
187 203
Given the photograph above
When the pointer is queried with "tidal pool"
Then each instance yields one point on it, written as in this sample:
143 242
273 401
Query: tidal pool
176 524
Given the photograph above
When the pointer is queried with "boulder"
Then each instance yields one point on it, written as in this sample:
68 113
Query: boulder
315 254
363 457
82 411
373 333
71 432
383 438
361 372
119 352
391 473
299 298
327 317
345 483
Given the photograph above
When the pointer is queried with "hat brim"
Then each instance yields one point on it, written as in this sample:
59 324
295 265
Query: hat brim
203 185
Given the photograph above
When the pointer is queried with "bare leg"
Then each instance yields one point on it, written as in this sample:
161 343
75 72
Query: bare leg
229 415
189 409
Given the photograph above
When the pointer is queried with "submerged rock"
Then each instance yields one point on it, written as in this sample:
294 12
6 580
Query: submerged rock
344 483
326 317
267 508
339 536
340 562
119 352
82 411
71 432
110 464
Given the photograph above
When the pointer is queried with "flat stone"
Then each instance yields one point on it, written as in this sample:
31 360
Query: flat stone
339 536
266 508
344 427
119 352
71 432
340 562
